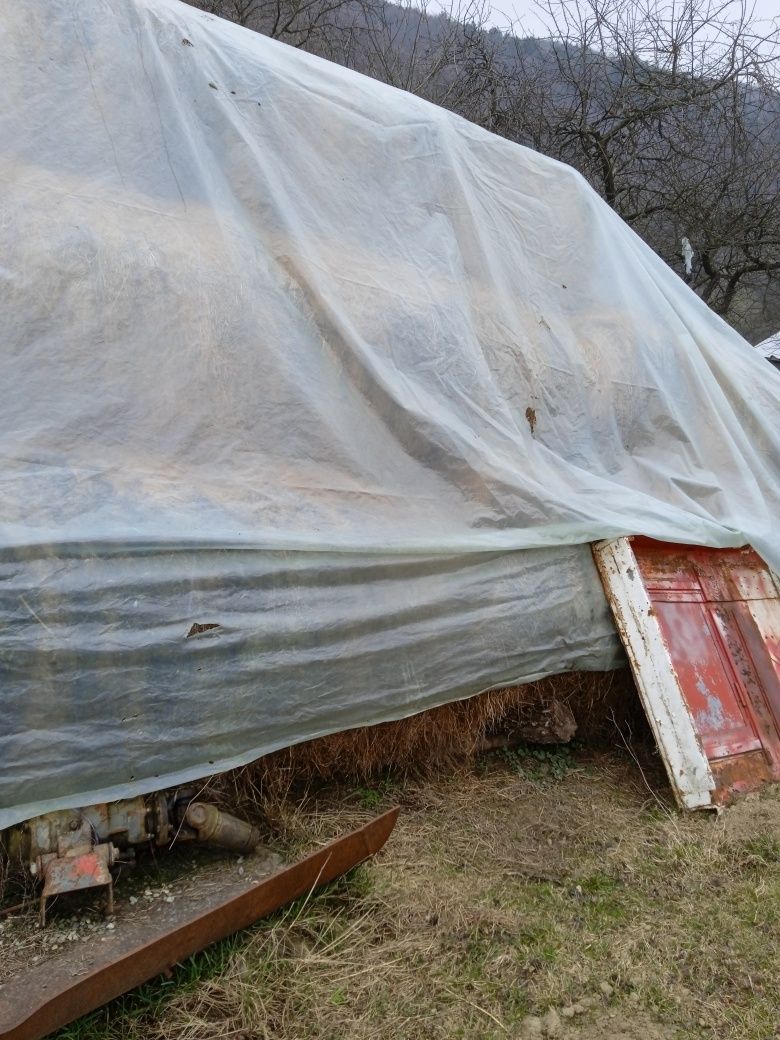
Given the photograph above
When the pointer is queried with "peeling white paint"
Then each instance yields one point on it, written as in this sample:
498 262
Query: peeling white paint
656 679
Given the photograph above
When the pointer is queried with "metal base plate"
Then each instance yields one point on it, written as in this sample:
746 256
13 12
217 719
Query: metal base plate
67 986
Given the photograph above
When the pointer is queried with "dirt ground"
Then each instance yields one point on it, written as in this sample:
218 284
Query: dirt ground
535 896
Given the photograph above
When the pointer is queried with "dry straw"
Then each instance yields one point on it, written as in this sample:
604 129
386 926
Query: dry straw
444 737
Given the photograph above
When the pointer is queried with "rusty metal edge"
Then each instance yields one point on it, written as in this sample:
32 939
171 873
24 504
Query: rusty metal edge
161 954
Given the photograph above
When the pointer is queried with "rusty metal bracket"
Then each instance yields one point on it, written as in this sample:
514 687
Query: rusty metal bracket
79 868
47 997
78 863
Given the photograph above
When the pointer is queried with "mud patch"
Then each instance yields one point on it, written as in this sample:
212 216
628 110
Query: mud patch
753 814
622 1025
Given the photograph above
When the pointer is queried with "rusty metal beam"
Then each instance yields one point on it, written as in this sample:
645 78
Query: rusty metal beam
45 999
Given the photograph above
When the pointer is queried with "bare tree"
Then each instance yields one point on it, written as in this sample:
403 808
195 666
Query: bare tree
301 23
720 187
670 110
425 49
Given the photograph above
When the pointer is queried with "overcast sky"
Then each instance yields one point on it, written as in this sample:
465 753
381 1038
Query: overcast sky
523 11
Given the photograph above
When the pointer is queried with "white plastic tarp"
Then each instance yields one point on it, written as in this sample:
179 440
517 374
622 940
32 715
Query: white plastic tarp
296 354
770 348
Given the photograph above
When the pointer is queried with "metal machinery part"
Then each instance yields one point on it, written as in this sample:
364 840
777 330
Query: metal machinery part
74 849
50 995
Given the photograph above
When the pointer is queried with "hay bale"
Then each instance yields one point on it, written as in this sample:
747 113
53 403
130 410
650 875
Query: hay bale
445 737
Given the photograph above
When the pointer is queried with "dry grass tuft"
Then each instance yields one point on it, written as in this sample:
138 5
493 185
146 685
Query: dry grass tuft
500 895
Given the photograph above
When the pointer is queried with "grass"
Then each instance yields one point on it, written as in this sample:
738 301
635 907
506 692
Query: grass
539 763
505 890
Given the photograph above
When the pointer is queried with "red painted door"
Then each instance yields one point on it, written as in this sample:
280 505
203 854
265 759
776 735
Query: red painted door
719 613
